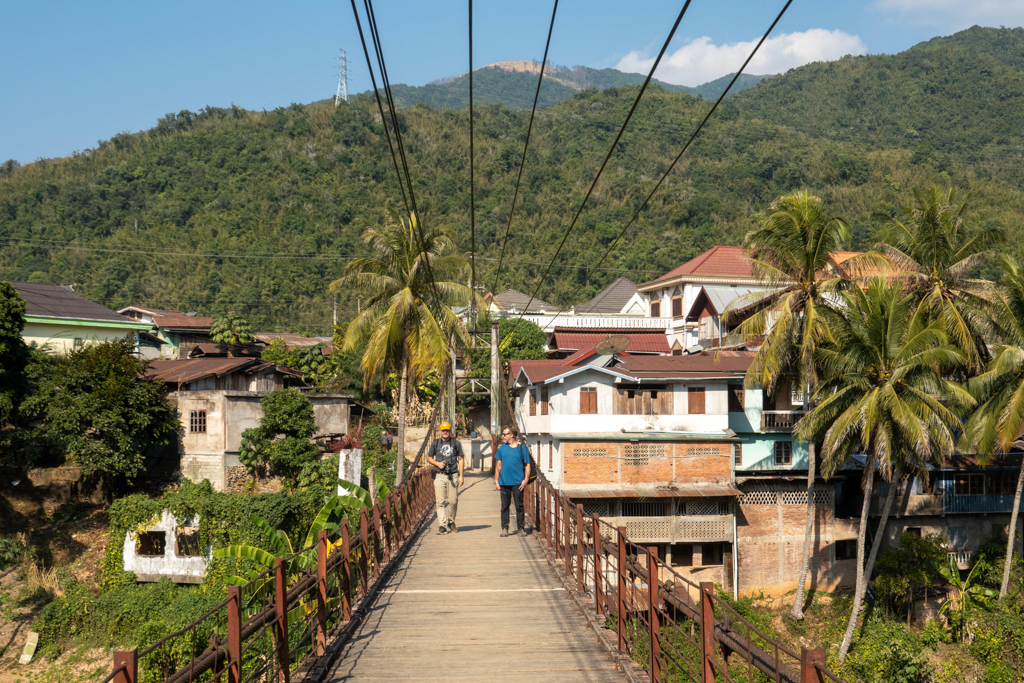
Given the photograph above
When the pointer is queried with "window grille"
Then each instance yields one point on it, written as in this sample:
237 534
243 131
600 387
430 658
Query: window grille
598 507
589 453
197 421
759 497
645 508
737 450
969 485
705 507
640 454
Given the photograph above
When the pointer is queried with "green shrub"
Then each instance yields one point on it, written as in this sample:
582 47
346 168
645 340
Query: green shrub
887 652
12 550
933 633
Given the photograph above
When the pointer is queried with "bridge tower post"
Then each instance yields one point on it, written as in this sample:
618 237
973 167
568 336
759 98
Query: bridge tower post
621 625
598 597
653 601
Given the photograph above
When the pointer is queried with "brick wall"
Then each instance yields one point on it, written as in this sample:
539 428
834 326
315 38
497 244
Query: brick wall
646 463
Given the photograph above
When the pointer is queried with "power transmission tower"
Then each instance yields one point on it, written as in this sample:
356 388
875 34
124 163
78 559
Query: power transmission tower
342 93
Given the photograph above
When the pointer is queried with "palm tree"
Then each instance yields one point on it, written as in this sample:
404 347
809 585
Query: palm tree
932 251
791 251
999 418
882 379
409 285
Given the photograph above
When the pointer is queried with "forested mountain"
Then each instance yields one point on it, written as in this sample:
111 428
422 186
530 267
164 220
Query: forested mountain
256 212
514 84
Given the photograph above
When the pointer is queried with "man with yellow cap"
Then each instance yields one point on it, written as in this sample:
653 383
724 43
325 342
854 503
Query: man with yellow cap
445 455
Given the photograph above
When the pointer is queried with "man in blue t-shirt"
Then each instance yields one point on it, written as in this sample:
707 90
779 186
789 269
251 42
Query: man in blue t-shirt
511 475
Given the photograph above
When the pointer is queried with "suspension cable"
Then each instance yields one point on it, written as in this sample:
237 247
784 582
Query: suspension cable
522 163
472 183
611 150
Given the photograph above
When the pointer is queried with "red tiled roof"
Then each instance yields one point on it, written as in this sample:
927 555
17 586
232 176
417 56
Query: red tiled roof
641 341
715 262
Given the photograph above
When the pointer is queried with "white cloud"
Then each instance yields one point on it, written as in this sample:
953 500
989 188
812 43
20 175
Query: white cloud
954 14
701 60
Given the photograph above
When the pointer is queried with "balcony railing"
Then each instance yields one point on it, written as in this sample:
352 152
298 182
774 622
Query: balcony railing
995 503
780 420
962 558
679 529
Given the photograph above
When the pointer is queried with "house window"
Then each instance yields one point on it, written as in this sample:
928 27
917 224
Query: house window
737 453
544 401
588 401
655 309
551 460
151 543
1002 484
846 550
682 555
695 397
736 398
197 421
913 531
677 307
677 352
187 542
969 485
79 342
533 402
711 553
783 453
957 537
649 508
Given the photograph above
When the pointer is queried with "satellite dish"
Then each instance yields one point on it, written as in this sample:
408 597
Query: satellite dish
612 344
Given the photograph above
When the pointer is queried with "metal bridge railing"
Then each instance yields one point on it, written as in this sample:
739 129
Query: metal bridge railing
676 629
279 623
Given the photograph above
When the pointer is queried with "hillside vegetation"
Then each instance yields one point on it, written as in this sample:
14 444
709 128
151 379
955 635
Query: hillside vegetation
514 84
210 211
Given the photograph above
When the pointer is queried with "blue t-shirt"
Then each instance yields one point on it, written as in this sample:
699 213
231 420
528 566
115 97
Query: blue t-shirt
513 464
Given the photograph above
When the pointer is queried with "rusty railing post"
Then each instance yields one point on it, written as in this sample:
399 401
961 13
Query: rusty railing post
320 647
558 524
707 631
376 540
620 626
567 536
346 572
653 601
364 549
808 671
235 634
281 603
130 660
598 550
387 529
581 570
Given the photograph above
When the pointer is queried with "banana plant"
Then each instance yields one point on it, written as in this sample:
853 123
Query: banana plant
966 592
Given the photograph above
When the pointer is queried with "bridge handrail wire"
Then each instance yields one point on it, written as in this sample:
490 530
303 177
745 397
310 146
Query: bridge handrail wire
664 621
278 623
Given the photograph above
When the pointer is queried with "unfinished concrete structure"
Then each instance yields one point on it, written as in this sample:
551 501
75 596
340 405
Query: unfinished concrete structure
168 549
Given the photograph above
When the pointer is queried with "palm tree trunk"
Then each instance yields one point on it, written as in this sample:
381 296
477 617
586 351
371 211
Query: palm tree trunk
862 534
403 390
1012 535
798 602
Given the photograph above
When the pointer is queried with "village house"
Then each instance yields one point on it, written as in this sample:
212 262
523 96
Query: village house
174 330
60 320
219 398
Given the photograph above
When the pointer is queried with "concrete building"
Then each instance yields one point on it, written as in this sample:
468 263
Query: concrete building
174 330
219 398
60 320
168 549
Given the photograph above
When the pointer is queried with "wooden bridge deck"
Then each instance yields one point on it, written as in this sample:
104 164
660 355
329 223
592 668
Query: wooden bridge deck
475 607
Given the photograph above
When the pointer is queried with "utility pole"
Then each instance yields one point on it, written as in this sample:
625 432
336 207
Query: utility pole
334 305
342 93
496 389
450 402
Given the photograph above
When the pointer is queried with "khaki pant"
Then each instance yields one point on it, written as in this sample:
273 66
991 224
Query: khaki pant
446 496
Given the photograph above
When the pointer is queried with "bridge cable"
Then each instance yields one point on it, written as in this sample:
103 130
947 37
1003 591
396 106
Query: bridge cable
611 150
472 183
522 163
685 147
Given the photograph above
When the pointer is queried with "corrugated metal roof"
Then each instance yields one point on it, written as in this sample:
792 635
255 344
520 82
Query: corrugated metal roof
511 299
291 340
192 369
171 320
647 341
213 349
611 299
720 296
54 301
702 491
694 363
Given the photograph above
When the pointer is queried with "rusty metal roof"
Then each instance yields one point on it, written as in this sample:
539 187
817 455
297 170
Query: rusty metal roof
192 369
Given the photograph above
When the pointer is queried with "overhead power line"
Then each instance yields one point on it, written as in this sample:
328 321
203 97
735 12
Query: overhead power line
686 146
522 162
611 150
472 183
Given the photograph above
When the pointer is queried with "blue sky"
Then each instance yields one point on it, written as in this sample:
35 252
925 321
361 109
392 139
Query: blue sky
74 73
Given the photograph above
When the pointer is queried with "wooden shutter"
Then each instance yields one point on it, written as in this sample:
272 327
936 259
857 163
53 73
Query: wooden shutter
677 307
588 401
544 401
695 397
550 456
655 309
533 402
738 453
736 398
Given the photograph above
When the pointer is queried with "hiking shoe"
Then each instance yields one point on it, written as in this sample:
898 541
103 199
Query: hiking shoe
504 533
441 531
452 529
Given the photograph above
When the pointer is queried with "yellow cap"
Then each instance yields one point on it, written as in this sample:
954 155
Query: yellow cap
445 427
